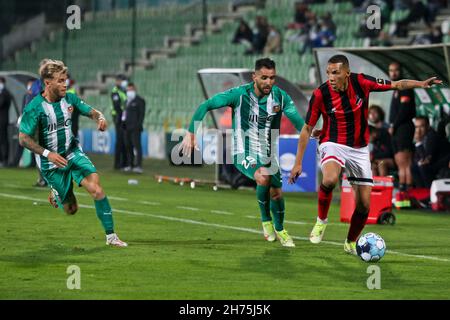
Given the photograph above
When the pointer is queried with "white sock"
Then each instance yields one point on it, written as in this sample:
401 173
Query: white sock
322 221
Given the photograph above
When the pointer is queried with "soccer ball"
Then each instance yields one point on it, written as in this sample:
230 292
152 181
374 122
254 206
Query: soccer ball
370 247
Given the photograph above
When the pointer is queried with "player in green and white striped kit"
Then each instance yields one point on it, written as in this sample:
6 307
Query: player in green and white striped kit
45 129
257 109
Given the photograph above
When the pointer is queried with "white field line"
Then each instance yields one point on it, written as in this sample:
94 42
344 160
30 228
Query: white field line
151 203
137 213
299 222
188 208
222 212
117 198
83 194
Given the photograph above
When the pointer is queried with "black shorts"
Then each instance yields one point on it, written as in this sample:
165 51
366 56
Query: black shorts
402 140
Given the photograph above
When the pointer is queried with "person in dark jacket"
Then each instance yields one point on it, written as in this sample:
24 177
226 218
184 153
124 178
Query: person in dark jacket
119 100
432 153
243 34
133 124
402 113
5 103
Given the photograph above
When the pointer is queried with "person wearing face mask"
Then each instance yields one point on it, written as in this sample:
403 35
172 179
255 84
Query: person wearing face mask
5 103
119 100
133 124
402 113
26 99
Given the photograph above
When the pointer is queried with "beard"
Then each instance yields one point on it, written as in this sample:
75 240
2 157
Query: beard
265 89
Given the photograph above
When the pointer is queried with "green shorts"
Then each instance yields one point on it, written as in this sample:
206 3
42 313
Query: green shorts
249 166
60 179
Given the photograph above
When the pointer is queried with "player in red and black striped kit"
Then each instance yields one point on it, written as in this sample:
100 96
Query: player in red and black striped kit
343 102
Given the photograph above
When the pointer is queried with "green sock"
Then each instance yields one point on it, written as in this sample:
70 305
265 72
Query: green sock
262 194
277 207
104 213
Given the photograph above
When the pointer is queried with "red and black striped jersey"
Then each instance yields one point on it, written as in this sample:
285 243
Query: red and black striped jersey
345 113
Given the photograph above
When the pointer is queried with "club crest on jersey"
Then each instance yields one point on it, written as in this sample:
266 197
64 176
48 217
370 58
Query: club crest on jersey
381 81
276 108
358 101
70 108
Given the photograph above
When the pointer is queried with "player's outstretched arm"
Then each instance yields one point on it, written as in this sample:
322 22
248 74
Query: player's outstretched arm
302 143
412 84
28 142
98 117
220 100
189 142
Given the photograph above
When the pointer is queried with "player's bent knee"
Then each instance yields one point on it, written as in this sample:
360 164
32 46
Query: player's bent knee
330 182
96 191
262 180
276 196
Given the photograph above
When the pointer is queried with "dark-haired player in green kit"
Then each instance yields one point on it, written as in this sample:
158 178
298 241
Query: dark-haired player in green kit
257 109
45 129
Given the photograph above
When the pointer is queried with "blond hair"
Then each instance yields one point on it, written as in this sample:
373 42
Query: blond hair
48 68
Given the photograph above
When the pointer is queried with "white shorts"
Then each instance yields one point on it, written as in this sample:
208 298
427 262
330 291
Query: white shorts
355 161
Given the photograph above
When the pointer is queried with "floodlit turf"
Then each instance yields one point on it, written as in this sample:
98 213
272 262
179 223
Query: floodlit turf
201 244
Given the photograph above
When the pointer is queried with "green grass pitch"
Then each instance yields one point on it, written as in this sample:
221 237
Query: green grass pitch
200 244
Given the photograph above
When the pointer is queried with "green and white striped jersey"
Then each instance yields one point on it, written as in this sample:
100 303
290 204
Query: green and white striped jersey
51 124
254 119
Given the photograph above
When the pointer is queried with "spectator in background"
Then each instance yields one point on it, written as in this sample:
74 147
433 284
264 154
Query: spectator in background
402 113
133 123
260 35
376 117
432 153
327 18
300 13
383 40
274 42
19 150
418 11
5 104
325 37
436 35
28 94
119 100
433 36
319 36
381 154
243 35
297 30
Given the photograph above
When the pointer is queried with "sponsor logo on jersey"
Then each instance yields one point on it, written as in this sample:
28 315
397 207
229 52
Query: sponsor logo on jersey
381 81
55 126
253 118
